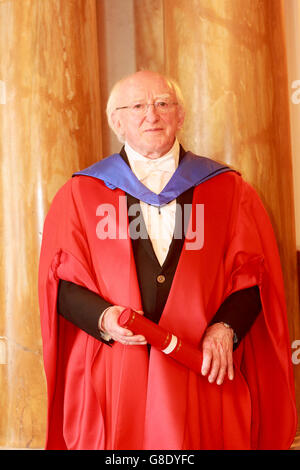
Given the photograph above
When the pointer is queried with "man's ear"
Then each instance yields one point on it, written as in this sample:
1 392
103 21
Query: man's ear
180 118
117 122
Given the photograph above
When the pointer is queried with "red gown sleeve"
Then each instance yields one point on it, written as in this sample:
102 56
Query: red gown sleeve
64 255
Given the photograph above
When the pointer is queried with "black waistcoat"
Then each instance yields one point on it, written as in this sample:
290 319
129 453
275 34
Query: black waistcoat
155 280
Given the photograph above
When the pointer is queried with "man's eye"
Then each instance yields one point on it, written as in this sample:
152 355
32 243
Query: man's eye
138 106
162 104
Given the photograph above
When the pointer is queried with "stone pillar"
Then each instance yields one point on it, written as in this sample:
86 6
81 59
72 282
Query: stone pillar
292 33
50 126
149 34
230 60
116 35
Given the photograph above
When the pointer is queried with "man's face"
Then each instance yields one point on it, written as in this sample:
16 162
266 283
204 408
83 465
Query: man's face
152 133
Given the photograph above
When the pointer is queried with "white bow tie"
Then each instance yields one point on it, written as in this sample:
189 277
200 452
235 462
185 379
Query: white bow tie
143 169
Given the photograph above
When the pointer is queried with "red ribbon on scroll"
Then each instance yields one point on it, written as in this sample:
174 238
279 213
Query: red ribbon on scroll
162 339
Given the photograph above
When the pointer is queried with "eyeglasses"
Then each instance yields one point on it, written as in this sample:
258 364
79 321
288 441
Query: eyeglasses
140 109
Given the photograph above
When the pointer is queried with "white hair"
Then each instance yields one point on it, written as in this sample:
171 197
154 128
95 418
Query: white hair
112 102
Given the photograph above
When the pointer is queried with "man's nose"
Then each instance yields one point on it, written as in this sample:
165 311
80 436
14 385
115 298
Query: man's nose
151 113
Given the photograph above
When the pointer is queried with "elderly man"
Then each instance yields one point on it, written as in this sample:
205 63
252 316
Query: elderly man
184 241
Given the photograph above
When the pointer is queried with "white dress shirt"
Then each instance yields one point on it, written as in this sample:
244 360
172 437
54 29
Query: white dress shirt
155 174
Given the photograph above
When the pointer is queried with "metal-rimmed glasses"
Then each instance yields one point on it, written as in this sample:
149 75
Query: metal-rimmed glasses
140 109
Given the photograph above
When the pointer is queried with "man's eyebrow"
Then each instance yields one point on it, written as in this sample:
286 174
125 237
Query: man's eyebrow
165 95
158 97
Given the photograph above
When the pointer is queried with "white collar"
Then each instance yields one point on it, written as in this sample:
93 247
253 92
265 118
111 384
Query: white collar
172 154
154 173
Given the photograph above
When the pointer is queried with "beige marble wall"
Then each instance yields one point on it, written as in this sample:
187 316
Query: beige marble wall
149 35
50 126
292 34
116 33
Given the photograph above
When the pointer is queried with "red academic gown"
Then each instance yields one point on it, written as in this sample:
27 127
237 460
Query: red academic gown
102 397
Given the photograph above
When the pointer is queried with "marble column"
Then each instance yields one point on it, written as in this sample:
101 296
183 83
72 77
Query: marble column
292 33
149 34
116 36
230 60
50 126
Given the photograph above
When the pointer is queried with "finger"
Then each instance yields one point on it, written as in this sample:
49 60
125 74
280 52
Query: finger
223 367
130 343
135 343
119 334
207 358
214 367
230 368
136 339
123 331
130 340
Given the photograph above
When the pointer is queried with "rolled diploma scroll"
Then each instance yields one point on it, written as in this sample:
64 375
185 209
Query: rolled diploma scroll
162 339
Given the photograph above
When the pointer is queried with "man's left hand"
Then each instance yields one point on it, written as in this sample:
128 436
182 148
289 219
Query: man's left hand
217 349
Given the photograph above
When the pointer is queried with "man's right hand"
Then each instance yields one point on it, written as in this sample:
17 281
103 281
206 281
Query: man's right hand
111 326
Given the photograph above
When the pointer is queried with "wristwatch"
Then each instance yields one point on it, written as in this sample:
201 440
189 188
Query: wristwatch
105 336
235 338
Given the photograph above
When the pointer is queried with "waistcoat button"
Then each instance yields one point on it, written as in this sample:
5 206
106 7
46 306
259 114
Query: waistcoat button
161 278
